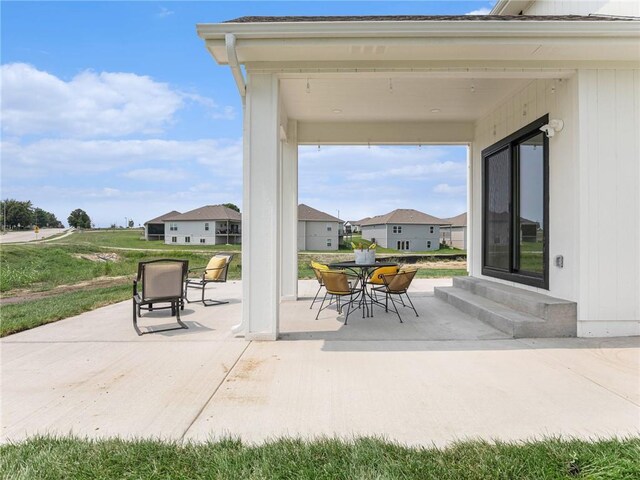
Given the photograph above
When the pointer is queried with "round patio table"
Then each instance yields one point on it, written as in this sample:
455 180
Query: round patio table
362 271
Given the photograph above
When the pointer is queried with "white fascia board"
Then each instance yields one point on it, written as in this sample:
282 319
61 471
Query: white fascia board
453 28
381 33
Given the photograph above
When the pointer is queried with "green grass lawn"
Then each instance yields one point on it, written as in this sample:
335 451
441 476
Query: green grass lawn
366 458
132 238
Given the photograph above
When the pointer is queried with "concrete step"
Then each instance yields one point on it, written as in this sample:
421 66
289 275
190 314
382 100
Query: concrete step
503 318
525 301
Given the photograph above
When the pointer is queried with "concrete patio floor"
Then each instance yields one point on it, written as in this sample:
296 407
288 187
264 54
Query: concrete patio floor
431 380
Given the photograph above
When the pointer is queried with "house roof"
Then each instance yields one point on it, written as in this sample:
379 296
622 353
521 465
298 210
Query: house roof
161 218
208 212
429 18
308 214
457 221
403 216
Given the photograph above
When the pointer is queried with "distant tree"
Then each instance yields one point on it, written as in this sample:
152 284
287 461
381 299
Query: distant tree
231 206
42 218
131 224
113 226
17 213
79 219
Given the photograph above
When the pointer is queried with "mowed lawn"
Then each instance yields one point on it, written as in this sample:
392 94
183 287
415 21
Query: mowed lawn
45 458
90 269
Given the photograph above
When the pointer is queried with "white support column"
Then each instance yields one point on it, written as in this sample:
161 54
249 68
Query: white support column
261 263
290 213
468 231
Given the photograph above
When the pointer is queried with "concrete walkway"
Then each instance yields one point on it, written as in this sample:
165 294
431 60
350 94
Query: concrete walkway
431 380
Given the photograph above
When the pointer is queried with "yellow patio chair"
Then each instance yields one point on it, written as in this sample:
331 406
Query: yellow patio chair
317 268
397 285
337 284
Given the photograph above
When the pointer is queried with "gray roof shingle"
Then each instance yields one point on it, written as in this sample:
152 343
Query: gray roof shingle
208 212
308 214
431 18
161 218
403 216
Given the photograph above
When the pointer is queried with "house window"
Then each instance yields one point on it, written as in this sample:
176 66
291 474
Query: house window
428 243
431 229
187 239
173 227
407 245
516 207
397 229
206 228
202 240
174 239
328 242
328 227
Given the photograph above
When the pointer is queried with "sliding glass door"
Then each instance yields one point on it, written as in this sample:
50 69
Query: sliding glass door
515 207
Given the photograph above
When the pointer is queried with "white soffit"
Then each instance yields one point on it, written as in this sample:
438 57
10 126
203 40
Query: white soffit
395 99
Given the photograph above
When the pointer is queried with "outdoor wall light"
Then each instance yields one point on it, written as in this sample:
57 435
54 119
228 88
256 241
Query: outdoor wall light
552 127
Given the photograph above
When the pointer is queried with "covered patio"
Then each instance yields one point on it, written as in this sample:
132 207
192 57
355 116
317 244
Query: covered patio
432 380
475 81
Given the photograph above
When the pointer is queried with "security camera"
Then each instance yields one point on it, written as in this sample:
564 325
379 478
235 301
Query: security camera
550 132
552 127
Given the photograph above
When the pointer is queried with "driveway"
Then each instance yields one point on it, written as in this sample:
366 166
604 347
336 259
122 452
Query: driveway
29 235
432 380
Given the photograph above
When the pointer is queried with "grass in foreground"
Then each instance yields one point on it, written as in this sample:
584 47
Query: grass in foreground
366 458
23 316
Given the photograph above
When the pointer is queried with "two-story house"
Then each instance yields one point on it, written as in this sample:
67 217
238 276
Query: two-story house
403 229
209 225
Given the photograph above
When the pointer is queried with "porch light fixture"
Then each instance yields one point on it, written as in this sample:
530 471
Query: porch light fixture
435 110
308 86
552 127
336 110
390 86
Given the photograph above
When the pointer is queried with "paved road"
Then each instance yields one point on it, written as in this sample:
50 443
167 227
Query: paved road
29 236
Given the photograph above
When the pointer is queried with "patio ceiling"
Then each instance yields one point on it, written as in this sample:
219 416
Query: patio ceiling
392 98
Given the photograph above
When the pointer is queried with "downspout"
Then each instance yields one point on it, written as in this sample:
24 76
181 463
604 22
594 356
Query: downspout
232 60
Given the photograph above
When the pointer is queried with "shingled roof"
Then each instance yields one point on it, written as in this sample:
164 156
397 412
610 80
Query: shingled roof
433 18
208 212
161 218
457 221
308 214
403 216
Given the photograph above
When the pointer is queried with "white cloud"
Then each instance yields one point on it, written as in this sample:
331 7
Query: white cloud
446 189
156 174
44 157
90 105
164 12
480 11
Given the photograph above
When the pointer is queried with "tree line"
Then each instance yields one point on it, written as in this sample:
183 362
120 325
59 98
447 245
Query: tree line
18 214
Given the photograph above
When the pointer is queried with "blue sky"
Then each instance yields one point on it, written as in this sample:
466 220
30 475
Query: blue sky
118 109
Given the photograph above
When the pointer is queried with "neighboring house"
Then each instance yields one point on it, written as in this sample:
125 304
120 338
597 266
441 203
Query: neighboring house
503 84
154 229
317 230
209 225
356 225
453 231
403 229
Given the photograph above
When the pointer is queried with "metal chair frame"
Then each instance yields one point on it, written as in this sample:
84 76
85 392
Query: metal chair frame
202 281
142 302
335 297
389 291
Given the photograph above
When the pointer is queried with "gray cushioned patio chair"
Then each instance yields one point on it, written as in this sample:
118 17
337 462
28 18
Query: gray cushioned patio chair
159 282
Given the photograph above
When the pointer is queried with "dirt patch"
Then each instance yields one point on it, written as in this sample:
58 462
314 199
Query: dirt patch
446 264
18 296
98 257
